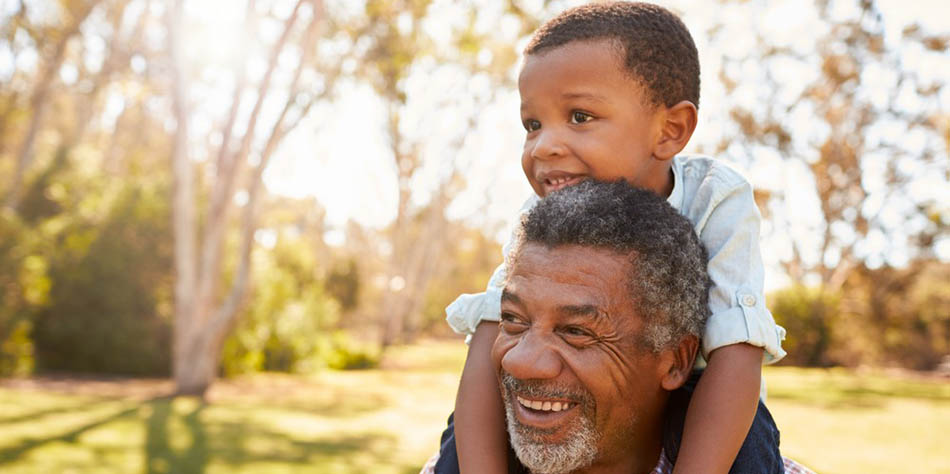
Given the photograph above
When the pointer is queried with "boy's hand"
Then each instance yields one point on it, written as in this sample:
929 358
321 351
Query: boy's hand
721 410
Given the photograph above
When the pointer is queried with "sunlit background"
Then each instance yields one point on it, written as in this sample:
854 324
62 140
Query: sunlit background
247 200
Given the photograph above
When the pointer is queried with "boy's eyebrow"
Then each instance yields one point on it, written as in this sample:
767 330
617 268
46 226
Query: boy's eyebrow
584 95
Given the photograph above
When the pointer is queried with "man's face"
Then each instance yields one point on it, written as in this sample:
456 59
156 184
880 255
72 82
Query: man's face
586 117
577 386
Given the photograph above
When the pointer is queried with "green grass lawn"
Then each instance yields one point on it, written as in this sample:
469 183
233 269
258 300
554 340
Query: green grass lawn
389 421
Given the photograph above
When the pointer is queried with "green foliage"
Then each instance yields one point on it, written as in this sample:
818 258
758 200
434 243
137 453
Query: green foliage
107 282
343 283
883 317
16 350
807 314
286 324
341 352
23 284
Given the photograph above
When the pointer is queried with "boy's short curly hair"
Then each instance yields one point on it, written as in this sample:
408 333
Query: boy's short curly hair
657 47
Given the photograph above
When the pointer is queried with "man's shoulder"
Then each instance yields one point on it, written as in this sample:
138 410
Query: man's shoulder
702 170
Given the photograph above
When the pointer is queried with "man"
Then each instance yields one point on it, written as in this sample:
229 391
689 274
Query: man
601 316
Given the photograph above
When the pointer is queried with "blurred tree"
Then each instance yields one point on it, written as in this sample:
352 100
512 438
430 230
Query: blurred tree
470 258
864 123
850 124
399 45
52 113
51 42
202 316
343 283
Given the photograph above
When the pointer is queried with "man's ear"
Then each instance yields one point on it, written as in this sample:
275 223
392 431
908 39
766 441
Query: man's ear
679 122
678 363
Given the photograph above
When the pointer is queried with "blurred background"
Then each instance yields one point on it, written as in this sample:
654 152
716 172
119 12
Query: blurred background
229 229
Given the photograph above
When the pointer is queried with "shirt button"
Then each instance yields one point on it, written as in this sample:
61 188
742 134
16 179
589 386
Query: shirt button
747 300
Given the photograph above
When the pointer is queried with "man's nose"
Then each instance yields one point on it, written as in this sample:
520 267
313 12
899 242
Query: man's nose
548 144
533 357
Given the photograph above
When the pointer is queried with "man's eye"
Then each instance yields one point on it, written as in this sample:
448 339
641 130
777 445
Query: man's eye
580 117
531 125
576 331
510 322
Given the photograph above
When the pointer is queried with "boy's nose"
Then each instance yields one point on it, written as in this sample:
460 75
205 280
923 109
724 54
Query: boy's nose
533 357
547 144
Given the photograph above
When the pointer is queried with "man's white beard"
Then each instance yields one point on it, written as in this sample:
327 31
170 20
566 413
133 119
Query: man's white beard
576 452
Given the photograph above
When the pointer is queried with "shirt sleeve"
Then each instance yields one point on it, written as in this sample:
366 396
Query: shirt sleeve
464 314
736 298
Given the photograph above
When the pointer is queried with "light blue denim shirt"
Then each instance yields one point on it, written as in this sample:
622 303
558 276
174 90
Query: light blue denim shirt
718 201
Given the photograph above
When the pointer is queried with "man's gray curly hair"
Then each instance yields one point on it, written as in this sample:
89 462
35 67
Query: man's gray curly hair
668 280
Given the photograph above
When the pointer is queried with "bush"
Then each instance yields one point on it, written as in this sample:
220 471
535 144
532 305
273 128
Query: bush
109 284
288 323
808 315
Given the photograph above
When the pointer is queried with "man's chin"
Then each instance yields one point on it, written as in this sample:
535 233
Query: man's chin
546 441
554 450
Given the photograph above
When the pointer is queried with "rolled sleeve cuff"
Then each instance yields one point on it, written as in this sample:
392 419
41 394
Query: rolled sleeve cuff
749 323
464 314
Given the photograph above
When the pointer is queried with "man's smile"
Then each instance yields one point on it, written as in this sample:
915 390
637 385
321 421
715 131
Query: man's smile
544 405
541 420
544 409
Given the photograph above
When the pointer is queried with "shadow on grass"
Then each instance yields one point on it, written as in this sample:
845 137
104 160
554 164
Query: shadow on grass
182 438
189 446
9 455
32 416
160 457
337 406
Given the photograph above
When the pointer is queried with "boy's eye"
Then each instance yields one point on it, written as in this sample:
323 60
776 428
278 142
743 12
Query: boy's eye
580 117
531 125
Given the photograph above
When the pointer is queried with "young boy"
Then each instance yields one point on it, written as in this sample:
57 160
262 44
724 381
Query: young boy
608 91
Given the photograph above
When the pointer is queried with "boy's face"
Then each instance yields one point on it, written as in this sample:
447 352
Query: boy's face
586 117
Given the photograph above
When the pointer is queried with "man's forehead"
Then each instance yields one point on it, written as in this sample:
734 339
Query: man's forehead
569 275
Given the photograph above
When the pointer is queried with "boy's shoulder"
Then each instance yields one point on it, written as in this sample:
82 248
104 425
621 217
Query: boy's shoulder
702 170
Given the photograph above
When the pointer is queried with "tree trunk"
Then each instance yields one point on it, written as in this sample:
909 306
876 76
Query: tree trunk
204 315
196 364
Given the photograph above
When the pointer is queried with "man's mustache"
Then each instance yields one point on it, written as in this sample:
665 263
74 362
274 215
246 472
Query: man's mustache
541 389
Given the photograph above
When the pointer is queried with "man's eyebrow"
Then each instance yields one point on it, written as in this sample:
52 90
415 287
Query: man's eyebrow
509 296
581 310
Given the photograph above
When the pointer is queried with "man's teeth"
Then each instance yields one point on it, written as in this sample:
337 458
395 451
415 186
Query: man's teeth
544 406
558 181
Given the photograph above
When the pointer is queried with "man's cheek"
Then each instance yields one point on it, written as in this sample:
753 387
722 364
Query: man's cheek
503 343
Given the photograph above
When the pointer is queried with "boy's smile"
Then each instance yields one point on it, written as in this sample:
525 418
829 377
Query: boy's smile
587 117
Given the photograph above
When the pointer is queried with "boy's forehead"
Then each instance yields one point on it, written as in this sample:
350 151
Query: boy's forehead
580 48
572 68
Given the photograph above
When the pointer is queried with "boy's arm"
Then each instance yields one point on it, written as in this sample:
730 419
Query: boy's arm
480 438
739 334
721 410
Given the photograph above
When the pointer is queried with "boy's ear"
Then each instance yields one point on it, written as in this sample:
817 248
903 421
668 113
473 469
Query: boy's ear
679 122
677 363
